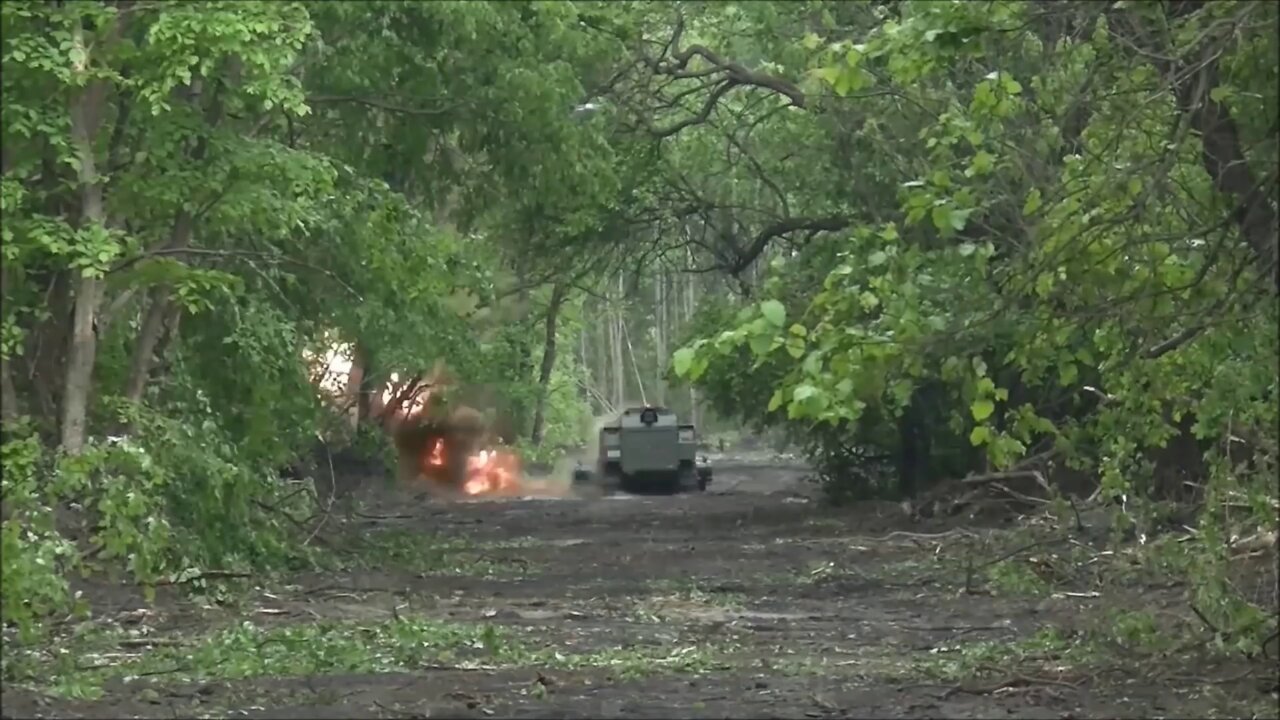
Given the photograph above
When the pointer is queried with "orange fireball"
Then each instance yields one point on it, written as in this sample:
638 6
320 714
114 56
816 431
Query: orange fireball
492 472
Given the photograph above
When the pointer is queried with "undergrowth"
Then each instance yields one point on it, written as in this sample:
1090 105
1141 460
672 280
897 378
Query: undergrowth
168 502
431 554
82 663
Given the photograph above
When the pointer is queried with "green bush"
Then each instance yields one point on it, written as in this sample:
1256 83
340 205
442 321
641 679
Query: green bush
34 556
169 500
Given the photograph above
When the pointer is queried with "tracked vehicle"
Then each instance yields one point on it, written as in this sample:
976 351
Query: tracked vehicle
646 450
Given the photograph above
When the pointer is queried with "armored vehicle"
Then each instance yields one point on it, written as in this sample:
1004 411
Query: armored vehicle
646 449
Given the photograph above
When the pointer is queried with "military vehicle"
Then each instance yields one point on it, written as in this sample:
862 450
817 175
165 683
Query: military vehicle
647 450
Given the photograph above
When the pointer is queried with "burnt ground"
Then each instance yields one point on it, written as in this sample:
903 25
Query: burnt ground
751 600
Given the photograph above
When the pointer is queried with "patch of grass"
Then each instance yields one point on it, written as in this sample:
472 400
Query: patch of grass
1121 649
676 600
887 574
624 663
1048 650
81 665
696 591
428 554
513 543
246 650
1016 577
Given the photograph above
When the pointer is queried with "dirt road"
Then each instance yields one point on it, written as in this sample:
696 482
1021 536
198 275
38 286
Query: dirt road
748 601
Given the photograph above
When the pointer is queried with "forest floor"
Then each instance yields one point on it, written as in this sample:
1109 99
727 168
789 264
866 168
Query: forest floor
751 600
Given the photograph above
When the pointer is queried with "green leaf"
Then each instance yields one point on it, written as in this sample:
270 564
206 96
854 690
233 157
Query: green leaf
979 435
698 368
941 215
979 366
1067 374
827 74
877 258
982 409
774 312
776 401
1033 202
682 360
967 248
799 330
844 83
981 164
761 344
795 347
804 392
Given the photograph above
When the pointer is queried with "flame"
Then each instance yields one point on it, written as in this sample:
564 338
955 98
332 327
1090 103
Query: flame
489 472
436 456
492 472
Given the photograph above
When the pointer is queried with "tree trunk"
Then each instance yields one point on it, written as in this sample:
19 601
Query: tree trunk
169 325
363 386
601 371
86 115
558 294
690 300
914 447
8 391
145 346
584 363
660 338
619 360
9 409
1223 157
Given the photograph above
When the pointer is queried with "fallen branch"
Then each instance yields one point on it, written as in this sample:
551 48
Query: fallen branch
1016 680
402 713
299 524
403 516
994 477
206 575
333 494
1204 619
380 104
971 570
1020 496
150 642
1269 639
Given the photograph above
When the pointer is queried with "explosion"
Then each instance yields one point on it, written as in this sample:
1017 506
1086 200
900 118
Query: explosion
492 472
487 472
450 447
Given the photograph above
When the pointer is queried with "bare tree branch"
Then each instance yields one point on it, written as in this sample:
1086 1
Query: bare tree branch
380 104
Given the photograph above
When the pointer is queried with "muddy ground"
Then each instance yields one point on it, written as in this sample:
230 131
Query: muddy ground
751 600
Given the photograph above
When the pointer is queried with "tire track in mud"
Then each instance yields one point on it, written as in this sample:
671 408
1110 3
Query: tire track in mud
747 601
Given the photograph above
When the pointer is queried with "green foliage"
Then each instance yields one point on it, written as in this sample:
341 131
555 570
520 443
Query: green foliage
172 498
35 557
267 188
1053 267
246 650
